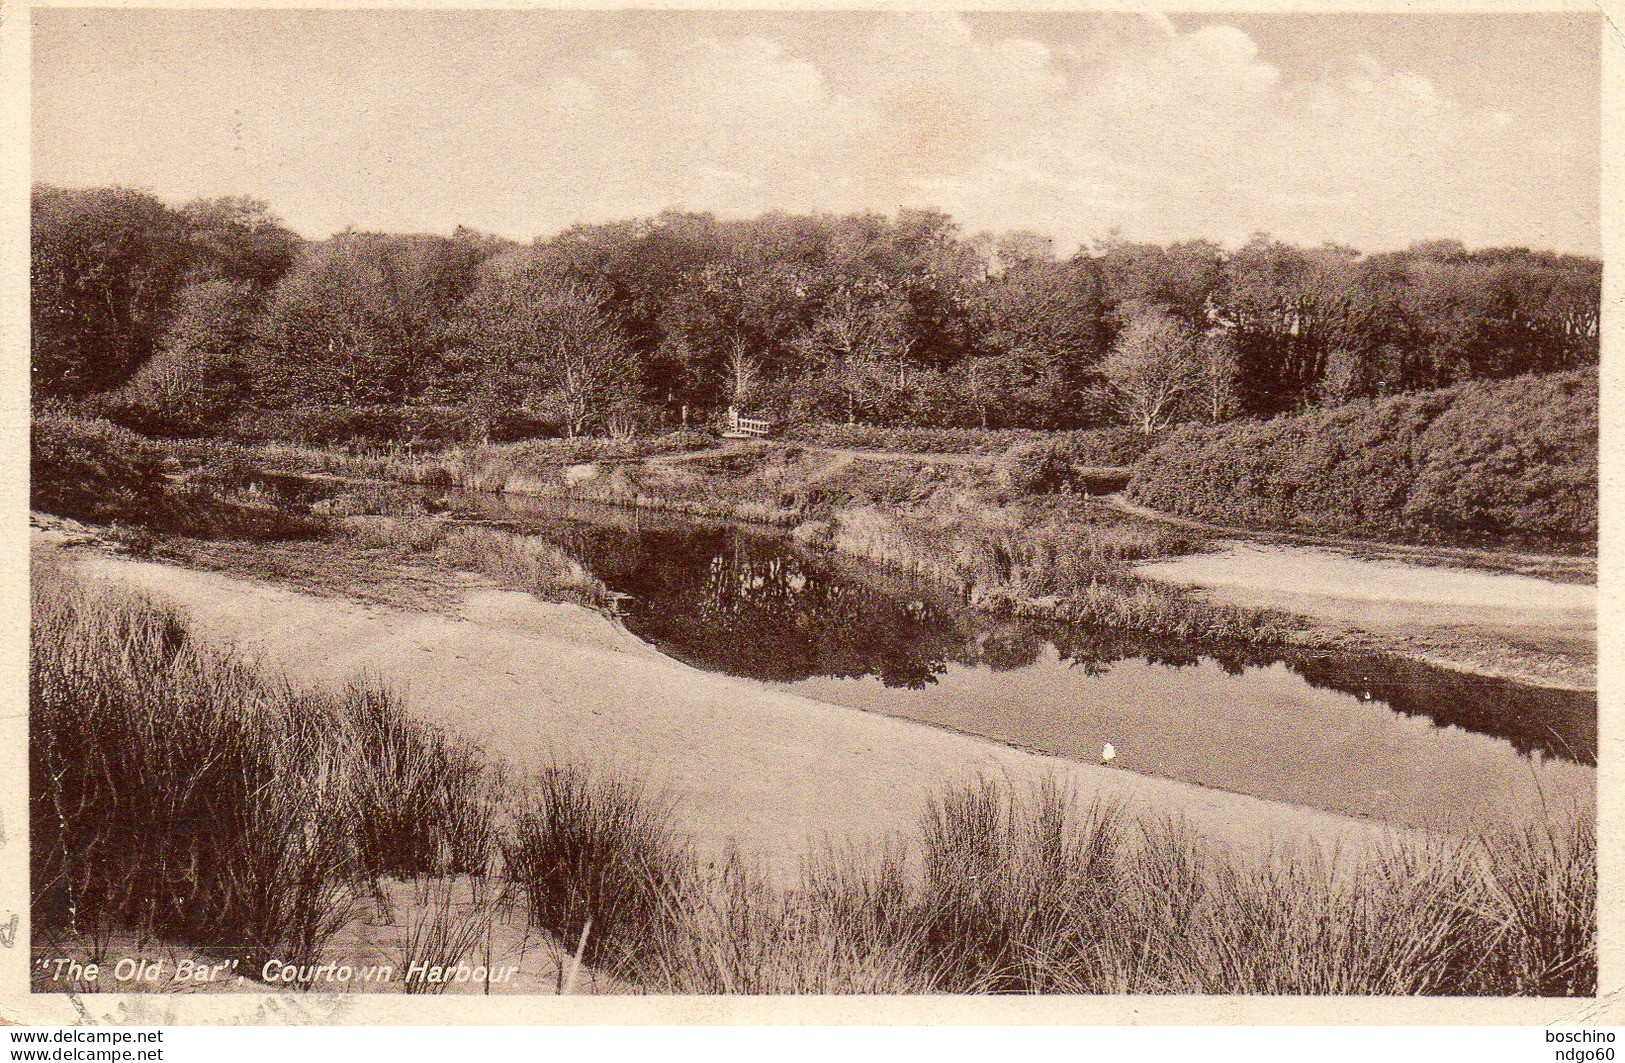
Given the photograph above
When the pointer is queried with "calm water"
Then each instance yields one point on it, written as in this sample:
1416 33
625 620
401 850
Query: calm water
1373 736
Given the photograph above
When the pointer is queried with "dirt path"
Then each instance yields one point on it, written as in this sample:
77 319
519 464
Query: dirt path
971 460
532 682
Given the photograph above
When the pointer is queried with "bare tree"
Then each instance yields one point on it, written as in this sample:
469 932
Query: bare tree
547 343
1151 370
1220 370
742 369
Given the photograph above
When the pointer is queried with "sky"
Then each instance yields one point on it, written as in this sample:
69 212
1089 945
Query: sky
1373 131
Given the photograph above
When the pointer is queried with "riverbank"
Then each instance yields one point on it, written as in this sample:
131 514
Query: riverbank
947 516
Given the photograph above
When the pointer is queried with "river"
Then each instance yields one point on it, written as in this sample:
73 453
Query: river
1372 736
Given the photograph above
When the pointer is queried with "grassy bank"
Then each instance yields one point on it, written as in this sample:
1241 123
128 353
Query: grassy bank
979 530
178 795
1507 463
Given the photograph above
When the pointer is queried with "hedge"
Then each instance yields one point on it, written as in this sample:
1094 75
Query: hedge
1095 446
1490 462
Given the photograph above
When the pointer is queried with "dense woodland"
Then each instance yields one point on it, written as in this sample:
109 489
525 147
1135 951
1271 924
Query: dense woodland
189 320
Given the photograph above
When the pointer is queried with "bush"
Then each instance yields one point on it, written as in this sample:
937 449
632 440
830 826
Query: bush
1038 467
1108 447
1505 462
1091 461
93 470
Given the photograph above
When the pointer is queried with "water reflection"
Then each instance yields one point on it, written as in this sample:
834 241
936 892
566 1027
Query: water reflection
1364 733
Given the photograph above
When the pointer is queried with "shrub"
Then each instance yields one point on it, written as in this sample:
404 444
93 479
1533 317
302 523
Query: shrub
1109 447
909 440
1038 467
93 470
1510 461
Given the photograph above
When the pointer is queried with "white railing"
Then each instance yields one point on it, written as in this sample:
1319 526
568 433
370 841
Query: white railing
749 426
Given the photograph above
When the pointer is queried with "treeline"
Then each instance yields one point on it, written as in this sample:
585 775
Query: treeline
182 319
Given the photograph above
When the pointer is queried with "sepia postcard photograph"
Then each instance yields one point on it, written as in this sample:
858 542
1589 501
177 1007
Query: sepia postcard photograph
1072 505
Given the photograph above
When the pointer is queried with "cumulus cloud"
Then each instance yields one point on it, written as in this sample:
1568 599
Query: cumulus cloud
1133 124
1163 134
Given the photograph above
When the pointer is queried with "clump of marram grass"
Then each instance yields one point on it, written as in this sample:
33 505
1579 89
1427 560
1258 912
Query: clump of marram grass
733 930
1545 879
425 801
1027 892
177 794
452 918
596 860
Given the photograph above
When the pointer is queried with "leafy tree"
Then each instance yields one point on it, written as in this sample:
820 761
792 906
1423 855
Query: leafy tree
1185 278
238 238
1012 389
1022 249
728 323
200 371
1049 318
857 341
1289 309
104 265
358 319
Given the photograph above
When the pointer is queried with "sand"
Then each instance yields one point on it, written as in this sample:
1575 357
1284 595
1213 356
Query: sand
1522 627
777 774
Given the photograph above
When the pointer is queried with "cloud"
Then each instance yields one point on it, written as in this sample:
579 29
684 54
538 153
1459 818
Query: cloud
1102 123
1163 133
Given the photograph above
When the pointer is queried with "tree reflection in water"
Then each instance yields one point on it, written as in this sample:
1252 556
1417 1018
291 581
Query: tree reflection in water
755 605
